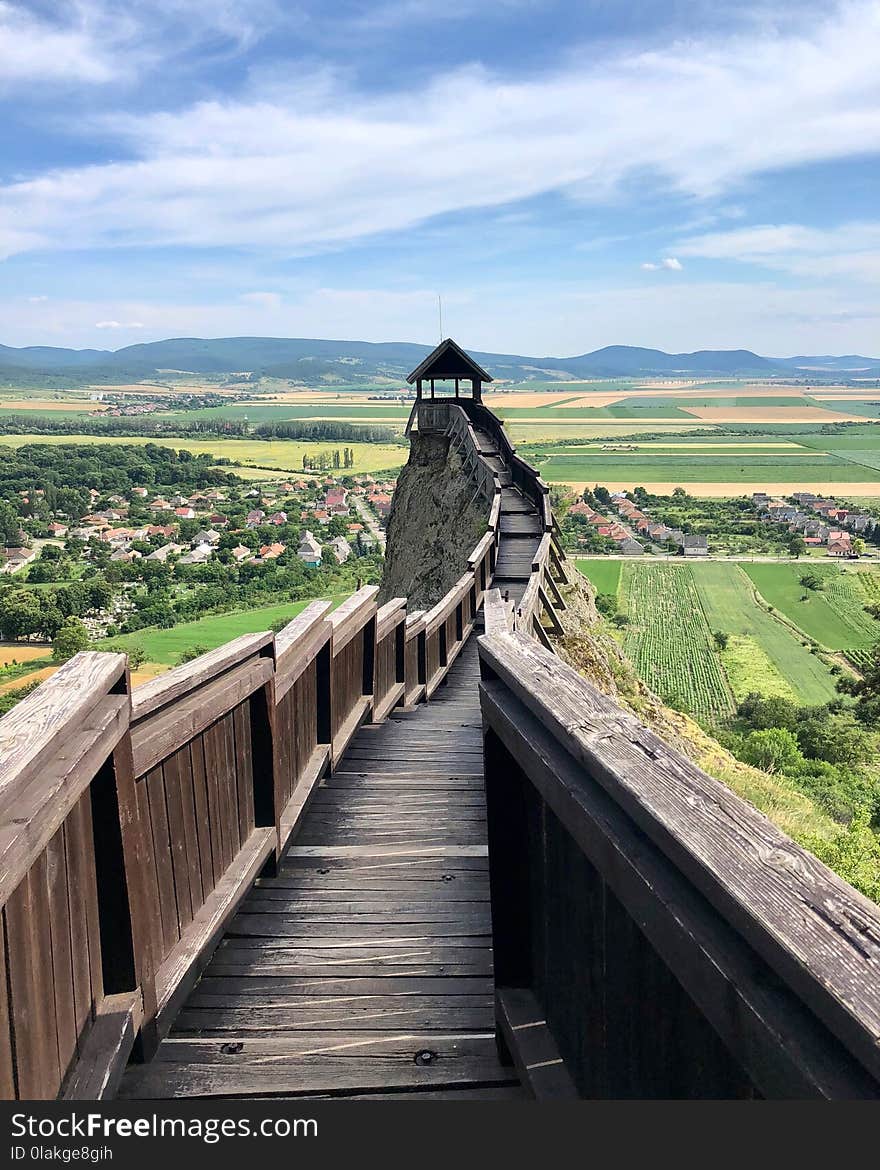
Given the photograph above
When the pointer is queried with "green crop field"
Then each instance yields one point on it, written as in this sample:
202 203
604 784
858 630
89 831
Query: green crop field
833 615
166 646
669 640
729 604
674 608
698 468
602 572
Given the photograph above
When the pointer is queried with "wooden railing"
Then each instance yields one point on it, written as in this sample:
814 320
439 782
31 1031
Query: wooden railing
75 963
654 935
131 826
537 612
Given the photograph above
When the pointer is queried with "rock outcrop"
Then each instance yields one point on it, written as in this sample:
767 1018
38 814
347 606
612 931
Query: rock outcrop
437 518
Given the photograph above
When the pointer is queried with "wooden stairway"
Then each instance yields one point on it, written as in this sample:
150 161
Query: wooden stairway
521 526
364 968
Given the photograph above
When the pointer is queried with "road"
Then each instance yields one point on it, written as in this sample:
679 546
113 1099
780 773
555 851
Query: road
370 520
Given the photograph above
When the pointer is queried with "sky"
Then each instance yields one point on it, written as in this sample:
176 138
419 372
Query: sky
565 174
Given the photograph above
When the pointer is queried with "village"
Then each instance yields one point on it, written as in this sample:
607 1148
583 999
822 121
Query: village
301 501
803 522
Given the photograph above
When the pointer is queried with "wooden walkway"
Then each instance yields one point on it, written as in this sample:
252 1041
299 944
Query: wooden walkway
365 968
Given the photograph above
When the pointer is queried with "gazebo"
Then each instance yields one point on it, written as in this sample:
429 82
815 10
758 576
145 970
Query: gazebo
449 363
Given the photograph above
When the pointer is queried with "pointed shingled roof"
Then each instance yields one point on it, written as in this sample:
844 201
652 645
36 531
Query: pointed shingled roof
449 360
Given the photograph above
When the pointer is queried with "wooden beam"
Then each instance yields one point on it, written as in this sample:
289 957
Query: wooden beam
530 1042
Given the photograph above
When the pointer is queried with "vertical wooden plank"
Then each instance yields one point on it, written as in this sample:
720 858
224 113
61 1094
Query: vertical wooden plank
177 836
30 981
62 964
202 813
183 766
244 770
162 854
228 789
7 1073
152 893
79 933
88 972
220 850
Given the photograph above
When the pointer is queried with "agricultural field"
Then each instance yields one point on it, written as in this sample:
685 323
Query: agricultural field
669 640
164 647
729 603
279 455
833 615
681 419
603 572
778 460
675 607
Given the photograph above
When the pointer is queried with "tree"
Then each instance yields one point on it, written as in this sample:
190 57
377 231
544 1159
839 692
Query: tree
20 614
866 689
774 749
620 619
797 546
137 655
838 739
771 711
606 603
70 639
858 546
191 652
812 581
721 639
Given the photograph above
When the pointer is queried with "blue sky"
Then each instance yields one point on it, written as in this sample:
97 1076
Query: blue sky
566 174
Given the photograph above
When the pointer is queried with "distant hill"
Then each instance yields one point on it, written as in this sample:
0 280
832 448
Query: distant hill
314 361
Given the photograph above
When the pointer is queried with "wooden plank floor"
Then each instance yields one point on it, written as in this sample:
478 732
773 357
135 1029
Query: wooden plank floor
365 968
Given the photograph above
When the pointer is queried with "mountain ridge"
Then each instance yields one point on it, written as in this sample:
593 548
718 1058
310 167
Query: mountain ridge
315 359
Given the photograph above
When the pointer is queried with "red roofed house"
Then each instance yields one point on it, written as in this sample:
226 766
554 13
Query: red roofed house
581 509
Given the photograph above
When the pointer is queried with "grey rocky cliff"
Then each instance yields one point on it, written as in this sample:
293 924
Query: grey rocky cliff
435 522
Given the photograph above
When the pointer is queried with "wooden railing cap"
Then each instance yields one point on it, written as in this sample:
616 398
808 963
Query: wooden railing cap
43 718
303 624
389 616
158 692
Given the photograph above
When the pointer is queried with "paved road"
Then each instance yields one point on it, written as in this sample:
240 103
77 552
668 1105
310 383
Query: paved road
370 520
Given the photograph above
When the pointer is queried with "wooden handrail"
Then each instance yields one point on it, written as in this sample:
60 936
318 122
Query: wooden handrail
389 616
182 680
675 880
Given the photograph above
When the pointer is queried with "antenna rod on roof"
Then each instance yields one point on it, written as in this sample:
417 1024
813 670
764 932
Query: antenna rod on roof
440 311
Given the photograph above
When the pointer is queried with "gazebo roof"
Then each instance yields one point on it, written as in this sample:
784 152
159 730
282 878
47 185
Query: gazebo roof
449 360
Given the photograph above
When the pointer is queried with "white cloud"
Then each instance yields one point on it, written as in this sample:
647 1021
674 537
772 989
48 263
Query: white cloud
268 300
119 325
32 48
93 42
317 166
669 263
848 251
37 300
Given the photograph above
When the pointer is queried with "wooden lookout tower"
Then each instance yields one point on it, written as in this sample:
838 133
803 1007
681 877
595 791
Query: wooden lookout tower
449 363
